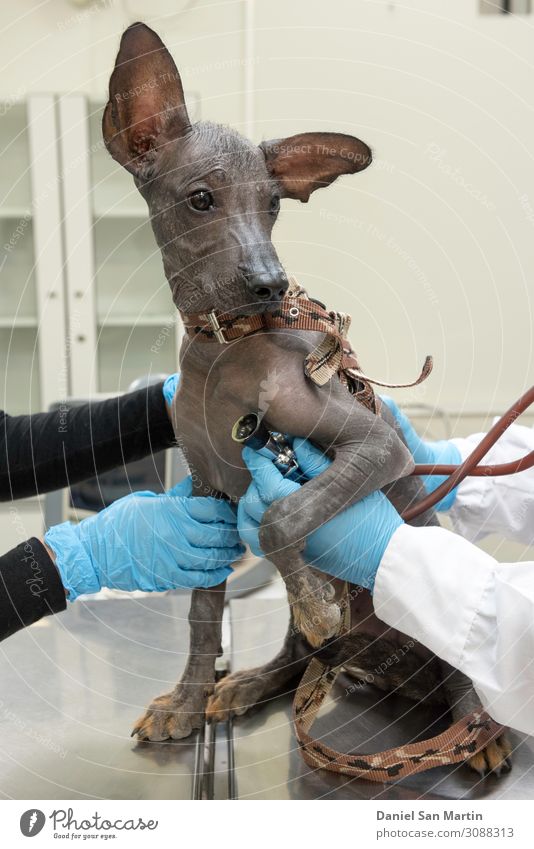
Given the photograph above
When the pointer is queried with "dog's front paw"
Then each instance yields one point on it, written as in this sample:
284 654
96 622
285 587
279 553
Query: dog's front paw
173 716
495 758
235 694
317 620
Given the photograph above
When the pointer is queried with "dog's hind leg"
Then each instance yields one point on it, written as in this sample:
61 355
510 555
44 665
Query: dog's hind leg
462 698
237 693
459 691
176 714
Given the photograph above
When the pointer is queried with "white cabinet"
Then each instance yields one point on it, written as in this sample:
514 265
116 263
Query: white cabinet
33 368
84 304
119 300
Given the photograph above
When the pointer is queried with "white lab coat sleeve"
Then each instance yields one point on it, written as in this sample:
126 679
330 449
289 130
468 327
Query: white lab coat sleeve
503 505
470 610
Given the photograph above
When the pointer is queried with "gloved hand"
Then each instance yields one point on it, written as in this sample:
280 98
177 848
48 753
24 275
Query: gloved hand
350 546
170 386
148 542
432 453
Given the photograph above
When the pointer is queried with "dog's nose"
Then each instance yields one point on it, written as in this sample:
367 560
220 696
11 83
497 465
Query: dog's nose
267 286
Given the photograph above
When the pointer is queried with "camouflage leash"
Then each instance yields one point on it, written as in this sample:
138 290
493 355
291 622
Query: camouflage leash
460 741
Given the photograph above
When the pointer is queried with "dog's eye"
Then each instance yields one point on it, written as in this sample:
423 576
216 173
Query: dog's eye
274 207
202 200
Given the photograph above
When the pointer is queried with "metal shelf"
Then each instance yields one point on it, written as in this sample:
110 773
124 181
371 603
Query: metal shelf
119 212
17 322
134 321
15 212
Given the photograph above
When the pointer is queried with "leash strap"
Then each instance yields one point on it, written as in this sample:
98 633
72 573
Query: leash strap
463 739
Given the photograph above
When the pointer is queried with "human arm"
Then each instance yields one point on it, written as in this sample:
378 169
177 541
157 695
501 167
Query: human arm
480 505
148 541
143 541
497 505
30 587
47 451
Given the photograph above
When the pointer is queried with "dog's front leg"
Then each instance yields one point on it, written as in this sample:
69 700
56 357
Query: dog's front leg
361 466
176 714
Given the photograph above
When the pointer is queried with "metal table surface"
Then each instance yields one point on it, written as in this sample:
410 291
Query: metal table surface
73 684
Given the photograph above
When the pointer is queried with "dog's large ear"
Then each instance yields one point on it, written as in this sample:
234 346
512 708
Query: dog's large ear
311 161
146 106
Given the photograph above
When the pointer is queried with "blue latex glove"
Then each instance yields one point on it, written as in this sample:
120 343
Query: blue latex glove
148 542
350 546
432 453
170 386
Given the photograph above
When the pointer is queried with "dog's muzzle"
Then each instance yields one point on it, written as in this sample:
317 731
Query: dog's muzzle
267 286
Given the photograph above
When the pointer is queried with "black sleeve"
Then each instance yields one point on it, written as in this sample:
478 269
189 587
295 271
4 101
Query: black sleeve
48 451
30 587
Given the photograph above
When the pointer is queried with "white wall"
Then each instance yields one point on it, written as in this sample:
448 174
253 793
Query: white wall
64 47
431 249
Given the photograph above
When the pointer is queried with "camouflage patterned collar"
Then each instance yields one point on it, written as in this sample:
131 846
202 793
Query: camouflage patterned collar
297 311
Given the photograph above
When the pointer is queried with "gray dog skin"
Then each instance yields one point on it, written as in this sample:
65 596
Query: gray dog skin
222 257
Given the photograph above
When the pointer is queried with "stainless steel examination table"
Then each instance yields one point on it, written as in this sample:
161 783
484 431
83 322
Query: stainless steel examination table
72 686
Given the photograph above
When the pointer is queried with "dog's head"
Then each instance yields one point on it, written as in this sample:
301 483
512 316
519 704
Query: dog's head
213 196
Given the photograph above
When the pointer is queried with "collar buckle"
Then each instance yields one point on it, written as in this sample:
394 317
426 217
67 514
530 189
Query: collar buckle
218 331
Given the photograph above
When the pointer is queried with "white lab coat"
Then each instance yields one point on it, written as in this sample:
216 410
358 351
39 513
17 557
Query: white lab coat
472 611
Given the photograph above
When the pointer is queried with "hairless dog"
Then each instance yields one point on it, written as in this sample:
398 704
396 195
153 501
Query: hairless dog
213 198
